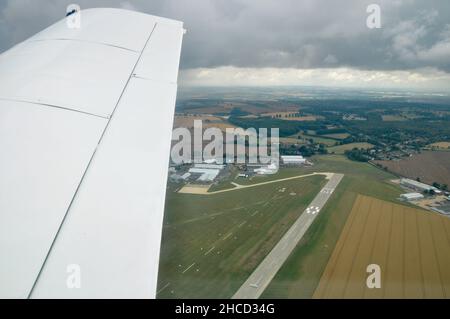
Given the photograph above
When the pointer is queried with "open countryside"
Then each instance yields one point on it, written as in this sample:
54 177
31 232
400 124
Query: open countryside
223 221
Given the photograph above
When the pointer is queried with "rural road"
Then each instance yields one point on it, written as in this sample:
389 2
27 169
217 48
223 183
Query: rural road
204 190
255 285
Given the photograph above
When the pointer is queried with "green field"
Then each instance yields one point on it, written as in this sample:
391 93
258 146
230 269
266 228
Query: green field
300 138
319 139
337 136
242 226
340 149
301 273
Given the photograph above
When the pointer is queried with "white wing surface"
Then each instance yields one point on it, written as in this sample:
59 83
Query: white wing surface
85 126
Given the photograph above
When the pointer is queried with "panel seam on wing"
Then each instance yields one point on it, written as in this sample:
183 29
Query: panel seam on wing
88 42
52 106
154 80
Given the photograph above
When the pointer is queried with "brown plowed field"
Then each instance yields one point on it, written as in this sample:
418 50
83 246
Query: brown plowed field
411 246
429 166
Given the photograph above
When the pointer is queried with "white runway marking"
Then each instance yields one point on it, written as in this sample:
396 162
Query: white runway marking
312 210
227 236
167 285
242 224
256 284
327 190
188 268
212 248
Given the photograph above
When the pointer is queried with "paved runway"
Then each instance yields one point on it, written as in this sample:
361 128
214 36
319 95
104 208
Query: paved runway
255 285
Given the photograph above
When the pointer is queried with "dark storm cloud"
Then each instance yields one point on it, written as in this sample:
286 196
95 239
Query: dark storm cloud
287 33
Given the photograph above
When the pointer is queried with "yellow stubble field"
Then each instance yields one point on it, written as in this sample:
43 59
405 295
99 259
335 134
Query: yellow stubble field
411 246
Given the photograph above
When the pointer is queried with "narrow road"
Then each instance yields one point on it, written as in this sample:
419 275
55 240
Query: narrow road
204 190
258 281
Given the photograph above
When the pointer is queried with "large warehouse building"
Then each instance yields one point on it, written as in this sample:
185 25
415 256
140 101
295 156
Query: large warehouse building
293 159
412 196
208 171
410 183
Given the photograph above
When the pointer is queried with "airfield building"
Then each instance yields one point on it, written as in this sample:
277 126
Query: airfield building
266 170
411 196
210 166
185 176
418 186
206 174
293 159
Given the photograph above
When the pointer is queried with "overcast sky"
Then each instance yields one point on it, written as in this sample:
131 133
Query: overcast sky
293 42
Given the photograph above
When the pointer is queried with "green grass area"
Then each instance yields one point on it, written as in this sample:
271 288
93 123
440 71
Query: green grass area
337 136
293 140
301 138
299 276
225 183
320 139
242 226
340 149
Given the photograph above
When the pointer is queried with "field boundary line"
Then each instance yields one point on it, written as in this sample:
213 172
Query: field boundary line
372 249
419 249
388 251
320 291
347 275
430 227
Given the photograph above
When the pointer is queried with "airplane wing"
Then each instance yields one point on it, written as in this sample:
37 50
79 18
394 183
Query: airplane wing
86 118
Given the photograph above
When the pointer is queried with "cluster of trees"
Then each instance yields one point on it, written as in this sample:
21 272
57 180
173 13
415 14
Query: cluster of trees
358 154
236 111
443 187
331 131
298 114
286 128
305 150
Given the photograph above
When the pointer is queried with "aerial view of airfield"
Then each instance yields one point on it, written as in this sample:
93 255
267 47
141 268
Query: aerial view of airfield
309 155
355 200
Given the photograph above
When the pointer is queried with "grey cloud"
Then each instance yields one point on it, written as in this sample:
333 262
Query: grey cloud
276 33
